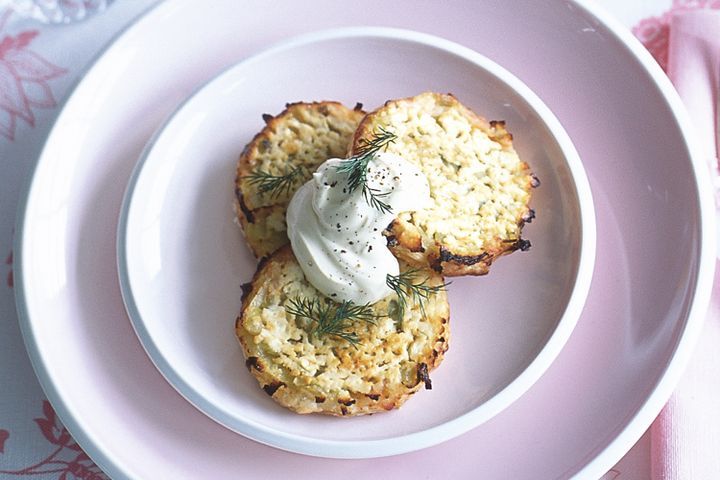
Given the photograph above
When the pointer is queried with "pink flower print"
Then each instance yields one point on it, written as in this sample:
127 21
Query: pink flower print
53 431
4 434
654 32
24 77
67 461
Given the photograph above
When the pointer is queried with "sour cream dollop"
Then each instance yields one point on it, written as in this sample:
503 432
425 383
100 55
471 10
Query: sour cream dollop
336 234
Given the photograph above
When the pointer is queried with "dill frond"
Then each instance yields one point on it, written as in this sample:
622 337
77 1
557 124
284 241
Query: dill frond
274 184
406 289
332 319
356 168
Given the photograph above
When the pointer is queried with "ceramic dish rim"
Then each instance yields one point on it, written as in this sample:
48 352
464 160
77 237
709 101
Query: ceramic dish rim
391 445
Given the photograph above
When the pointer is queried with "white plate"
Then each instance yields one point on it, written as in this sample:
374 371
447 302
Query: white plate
182 259
647 297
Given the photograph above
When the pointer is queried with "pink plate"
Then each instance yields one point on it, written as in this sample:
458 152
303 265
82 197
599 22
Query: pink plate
181 255
643 313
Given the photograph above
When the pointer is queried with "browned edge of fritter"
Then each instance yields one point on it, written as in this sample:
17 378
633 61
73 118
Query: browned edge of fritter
439 258
244 213
365 405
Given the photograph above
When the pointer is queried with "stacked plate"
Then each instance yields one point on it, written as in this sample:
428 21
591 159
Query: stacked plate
184 108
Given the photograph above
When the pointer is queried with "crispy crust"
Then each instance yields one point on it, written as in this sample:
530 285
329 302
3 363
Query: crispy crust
446 237
324 375
304 134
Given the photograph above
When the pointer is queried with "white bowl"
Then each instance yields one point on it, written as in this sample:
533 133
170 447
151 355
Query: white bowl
182 259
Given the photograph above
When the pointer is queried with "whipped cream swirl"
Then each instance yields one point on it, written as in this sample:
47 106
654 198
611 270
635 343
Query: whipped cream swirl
336 234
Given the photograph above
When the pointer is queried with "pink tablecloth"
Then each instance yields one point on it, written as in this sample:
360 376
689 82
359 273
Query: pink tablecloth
38 66
685 437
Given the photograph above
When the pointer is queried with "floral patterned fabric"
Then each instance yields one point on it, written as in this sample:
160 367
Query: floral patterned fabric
24 79
38 66
66 459
654 32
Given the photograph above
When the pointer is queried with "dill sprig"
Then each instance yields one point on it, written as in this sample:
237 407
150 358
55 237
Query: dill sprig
356 168
275 184
406 289
332 319
373 197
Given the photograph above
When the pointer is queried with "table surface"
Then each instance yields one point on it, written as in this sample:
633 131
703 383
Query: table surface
29 433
